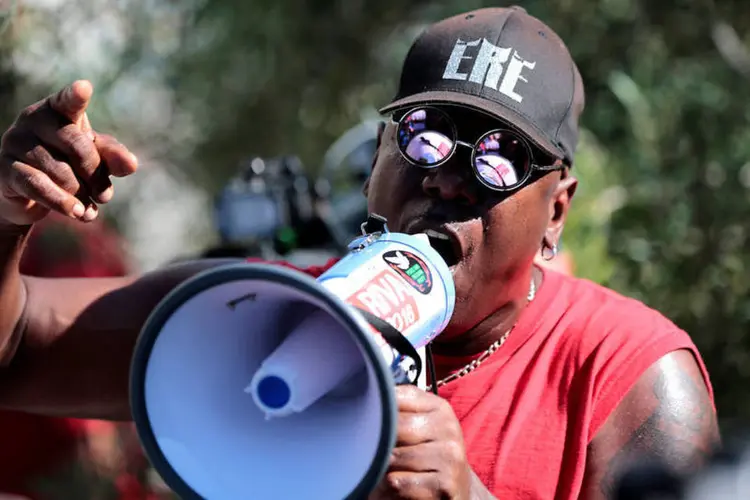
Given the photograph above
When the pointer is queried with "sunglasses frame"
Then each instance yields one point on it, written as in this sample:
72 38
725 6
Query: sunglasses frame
533 167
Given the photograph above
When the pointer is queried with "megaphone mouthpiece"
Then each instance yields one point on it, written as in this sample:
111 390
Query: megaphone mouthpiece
293 377
271 392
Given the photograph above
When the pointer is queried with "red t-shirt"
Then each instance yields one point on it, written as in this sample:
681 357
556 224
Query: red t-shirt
529 411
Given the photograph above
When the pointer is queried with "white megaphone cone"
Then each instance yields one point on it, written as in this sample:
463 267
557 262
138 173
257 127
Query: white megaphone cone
257 381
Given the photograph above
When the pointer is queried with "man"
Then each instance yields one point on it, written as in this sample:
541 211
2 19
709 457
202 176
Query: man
549 386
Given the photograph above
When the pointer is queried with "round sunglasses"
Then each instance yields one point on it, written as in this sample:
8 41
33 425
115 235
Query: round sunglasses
501 159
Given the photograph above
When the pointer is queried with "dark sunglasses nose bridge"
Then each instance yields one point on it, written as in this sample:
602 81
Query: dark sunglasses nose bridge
447 157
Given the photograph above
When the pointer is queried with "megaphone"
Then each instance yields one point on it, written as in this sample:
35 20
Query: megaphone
258 381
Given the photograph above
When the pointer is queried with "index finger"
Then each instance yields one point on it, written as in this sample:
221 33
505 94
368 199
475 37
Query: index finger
118 159
72 101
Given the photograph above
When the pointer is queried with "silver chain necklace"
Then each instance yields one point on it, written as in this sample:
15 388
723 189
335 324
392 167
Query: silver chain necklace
486 354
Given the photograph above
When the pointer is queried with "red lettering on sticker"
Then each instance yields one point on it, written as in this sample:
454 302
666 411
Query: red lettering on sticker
388 297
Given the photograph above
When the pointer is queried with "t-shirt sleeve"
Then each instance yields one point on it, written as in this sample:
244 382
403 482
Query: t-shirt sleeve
640 337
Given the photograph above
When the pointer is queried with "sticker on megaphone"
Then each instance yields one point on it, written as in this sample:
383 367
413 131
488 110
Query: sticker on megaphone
400 285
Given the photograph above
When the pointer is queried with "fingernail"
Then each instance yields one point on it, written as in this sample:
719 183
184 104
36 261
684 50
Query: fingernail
134 159
78 210
107 194
90 214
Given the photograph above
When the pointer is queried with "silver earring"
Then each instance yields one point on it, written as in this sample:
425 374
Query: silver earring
549 253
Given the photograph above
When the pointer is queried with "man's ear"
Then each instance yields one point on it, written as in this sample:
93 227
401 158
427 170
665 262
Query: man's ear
381 129
559 206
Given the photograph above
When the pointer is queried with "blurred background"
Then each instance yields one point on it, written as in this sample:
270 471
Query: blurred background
269 107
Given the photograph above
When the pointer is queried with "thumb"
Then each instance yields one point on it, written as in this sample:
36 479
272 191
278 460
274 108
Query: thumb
73 100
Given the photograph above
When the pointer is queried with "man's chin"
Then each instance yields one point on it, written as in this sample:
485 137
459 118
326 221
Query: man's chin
457 271
465 285
462 282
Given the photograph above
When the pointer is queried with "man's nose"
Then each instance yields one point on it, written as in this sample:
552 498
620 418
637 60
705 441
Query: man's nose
454 180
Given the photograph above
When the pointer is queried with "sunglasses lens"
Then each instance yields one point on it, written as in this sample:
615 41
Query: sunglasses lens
426 136
501 159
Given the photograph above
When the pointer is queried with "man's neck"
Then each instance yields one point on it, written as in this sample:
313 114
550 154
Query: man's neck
482 335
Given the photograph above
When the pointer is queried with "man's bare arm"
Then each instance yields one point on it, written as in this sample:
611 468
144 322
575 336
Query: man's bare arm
77 338
65 345
12 289
668 416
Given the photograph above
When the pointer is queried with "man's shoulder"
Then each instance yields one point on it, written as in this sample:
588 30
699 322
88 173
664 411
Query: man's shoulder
612 339
596 307
599 325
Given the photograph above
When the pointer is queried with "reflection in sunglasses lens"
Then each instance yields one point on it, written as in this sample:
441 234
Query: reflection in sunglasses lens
425 136
501 159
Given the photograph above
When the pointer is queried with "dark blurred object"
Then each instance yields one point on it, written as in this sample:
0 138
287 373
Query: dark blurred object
649 481
346 166
268 210
271 209
229 251
726 477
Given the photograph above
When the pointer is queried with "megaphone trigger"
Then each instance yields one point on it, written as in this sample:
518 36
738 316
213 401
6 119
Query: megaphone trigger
396 340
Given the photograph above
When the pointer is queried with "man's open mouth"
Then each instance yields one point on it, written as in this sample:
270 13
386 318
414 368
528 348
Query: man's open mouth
446 245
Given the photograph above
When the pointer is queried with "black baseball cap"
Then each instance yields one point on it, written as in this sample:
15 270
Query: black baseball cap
504 62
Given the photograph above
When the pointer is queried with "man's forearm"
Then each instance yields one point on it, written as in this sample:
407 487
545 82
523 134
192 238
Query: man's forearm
12 290
78 338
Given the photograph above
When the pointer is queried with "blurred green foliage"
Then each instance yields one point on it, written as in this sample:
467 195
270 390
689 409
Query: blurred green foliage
661 211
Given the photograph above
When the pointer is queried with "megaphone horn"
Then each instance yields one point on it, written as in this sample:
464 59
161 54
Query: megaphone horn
254 380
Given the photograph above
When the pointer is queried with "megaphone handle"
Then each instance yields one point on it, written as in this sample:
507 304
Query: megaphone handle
394 338
431 367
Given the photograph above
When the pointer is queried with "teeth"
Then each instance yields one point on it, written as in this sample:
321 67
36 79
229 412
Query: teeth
434 234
